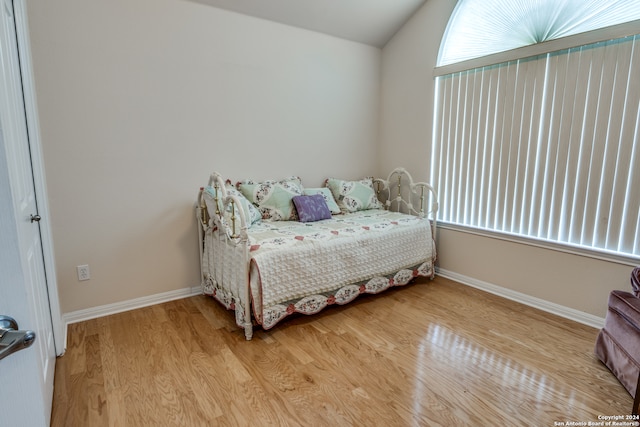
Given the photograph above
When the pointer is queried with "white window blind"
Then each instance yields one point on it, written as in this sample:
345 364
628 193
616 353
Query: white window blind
545 147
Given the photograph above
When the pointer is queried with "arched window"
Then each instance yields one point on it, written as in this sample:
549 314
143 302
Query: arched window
479 28
536 137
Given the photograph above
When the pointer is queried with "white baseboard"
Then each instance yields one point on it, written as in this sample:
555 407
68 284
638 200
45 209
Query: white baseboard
119 307
550 307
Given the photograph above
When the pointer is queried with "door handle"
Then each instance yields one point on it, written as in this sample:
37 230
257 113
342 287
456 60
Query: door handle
12 339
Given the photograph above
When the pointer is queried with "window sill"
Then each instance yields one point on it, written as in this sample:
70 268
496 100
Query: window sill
602 255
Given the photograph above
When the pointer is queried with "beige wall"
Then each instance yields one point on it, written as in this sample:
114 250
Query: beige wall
140 100
405 135
407 89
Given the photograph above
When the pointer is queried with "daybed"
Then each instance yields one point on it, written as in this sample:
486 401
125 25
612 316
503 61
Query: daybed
275 248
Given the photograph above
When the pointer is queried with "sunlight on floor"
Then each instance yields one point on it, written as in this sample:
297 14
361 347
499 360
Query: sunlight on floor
459 356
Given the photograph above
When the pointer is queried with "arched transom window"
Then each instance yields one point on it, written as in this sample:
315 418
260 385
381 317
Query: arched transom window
482 27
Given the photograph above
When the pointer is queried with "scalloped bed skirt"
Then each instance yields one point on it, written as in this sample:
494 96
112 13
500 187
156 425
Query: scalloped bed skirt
303 268
313 304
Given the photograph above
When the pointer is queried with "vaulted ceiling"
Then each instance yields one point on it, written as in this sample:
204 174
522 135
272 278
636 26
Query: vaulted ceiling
371 22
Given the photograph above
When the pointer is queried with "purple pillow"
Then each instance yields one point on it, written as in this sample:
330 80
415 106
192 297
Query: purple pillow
311 208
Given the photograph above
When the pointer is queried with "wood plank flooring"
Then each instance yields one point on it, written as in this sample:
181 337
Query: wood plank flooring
434 353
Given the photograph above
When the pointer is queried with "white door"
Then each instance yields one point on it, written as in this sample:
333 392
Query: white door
26 377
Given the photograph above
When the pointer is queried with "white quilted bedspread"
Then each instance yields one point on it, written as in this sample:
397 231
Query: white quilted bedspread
291 263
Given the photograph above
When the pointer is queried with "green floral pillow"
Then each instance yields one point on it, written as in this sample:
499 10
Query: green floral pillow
274 199
209 197
251 213
353 196
328 197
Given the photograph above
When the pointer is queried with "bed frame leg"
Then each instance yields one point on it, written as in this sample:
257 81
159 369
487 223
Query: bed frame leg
248 331
248 325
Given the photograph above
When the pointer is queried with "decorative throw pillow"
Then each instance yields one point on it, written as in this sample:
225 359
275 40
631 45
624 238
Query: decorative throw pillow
209 197
328 198
273 198
353 196
311 208
251 213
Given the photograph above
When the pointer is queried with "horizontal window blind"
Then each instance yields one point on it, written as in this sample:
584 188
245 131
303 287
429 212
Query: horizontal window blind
544 147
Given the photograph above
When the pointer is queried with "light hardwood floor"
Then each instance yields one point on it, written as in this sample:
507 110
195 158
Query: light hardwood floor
434 353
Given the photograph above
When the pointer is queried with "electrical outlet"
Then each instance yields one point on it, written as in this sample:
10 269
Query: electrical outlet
83 272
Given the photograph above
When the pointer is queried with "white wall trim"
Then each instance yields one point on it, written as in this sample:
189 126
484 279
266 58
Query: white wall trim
119 307
549 307
132 304
544 305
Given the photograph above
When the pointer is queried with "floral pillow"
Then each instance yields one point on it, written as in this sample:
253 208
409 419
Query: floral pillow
209 197
251 213
311 208
273 198
328 198
353 196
